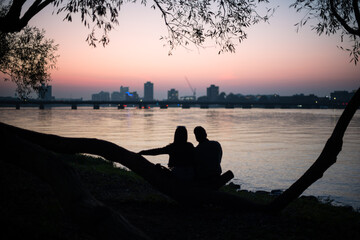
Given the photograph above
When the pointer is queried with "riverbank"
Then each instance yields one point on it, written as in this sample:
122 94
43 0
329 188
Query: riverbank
29 209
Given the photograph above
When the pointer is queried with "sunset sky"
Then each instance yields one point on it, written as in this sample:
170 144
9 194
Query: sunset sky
274 59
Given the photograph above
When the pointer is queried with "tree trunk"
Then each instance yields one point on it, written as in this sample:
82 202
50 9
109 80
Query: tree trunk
326 159
91 215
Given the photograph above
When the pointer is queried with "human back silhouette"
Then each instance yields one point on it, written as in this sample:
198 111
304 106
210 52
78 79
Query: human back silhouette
208 157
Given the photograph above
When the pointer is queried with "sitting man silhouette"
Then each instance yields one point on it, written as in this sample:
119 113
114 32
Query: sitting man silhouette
181 155
208 157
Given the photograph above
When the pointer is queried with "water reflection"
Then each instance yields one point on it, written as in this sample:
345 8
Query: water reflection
265 148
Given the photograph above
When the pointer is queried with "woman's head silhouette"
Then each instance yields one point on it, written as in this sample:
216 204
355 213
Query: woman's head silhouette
181 135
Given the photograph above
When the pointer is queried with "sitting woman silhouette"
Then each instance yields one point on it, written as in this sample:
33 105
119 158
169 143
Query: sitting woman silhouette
181 155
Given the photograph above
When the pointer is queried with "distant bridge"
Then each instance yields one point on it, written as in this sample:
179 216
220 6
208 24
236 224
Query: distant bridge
165 104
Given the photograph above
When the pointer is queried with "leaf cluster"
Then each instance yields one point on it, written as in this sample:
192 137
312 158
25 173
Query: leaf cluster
223 21
187 21
26 58
95 14
333 17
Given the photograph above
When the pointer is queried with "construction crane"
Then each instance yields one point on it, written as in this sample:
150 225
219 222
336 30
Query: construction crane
192 89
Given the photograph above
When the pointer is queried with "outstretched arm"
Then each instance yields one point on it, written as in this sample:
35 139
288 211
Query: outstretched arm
155 151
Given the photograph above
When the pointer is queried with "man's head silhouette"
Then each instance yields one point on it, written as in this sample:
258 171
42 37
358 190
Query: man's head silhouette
200 134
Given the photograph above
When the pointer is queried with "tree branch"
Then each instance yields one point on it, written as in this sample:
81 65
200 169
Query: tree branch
173 28
165 13
357 12
326 159
342 21
10 22
15 9
34 9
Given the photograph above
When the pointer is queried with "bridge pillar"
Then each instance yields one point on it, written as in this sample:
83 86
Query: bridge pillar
17 106
96 106
74 106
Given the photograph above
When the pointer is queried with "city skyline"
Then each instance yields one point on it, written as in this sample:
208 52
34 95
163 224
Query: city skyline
125 93
274 59
164 94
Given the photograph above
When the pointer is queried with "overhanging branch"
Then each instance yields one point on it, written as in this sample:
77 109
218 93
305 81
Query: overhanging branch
357 12
342 20
12 22
35 8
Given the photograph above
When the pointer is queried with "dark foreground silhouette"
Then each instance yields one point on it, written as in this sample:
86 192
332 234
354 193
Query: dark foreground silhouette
36 153
31 209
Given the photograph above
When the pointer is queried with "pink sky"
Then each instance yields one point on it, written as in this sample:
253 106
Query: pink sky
274 59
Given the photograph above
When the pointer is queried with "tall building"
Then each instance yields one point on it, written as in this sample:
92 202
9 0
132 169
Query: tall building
173 95
115 96
212 93
101 96
148 91
135 95
123 92
45 92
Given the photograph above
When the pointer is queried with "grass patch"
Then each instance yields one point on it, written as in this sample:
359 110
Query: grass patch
28 207
97 164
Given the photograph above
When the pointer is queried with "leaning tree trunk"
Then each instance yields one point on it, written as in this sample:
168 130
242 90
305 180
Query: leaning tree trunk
160 178
90 214
326 159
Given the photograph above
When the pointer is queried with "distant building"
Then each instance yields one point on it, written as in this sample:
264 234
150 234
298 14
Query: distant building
45 92
212 93
341 96
299 99
115 96
123 92
274 98
173 95
101 96
188 98
70 99
148 91
132 96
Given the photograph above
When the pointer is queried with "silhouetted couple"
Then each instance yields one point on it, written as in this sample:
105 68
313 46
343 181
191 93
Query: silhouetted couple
201 164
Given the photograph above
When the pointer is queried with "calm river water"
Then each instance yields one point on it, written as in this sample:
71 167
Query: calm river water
265 148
